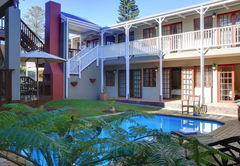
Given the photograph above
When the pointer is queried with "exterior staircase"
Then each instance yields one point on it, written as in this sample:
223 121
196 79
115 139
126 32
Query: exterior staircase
82 60
29 40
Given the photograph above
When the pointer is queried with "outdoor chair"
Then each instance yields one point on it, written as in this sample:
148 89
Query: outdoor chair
191 102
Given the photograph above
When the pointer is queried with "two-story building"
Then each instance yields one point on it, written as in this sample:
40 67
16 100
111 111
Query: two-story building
162 57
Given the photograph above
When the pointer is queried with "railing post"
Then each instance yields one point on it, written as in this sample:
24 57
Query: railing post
97 56
160 20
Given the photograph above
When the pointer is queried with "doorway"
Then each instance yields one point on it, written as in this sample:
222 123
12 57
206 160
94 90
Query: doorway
176 83
136 83
226 84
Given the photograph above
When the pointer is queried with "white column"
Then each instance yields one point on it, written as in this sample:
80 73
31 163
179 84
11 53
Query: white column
71 43
67 63
102 33
102 65
80 42
160 20
102 61
127 27
215 90
202 54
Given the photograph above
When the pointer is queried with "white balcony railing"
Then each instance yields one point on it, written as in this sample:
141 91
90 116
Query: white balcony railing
144 46
109 51
216 37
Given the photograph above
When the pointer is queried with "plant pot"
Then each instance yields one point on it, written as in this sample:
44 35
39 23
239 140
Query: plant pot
238 104
103 96
74 83
111 110
92 80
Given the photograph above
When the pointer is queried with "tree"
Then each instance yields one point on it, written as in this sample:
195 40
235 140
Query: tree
128 10
35 19
53 138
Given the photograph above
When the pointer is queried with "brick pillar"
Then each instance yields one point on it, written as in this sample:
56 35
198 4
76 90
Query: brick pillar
53 74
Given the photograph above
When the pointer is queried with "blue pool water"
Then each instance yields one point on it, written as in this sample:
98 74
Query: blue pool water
171 123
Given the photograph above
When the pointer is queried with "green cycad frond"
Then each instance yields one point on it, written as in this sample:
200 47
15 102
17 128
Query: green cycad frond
17 108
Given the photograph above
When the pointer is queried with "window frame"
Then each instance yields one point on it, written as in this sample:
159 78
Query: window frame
110 41
111 74
149 32
148 77
132 32
233 17
170 25
93 40
199 23
205 82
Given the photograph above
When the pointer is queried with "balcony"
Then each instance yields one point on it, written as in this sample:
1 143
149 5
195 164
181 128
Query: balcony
221 37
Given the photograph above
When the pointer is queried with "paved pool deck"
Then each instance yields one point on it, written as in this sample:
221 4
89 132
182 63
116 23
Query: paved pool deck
230 128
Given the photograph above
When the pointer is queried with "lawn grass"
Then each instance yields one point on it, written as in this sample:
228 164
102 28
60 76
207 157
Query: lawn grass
83 108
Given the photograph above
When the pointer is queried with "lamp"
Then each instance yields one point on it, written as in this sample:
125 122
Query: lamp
156 69
156 26
114 71
115 35
213 15
214 66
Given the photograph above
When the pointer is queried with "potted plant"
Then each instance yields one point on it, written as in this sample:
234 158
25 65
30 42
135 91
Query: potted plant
214 66
103 95
110 102
74 83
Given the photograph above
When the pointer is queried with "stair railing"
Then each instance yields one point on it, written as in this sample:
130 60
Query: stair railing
37 44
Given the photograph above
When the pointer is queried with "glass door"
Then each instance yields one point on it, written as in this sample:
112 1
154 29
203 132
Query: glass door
166 83
187 81
122 83
137 84
226 83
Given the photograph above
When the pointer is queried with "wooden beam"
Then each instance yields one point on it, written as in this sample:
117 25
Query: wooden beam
165 20
147 23
134 26
226 6
182 16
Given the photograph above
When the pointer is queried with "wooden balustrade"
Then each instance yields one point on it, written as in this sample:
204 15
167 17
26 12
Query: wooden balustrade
6 86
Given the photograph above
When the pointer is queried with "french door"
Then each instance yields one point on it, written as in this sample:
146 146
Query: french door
166 83
137 83
226 83
187 82
122 83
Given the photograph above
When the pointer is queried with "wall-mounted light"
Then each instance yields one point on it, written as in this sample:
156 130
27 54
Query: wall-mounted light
115 35
156 69
213 15
214 66
156 26
114 71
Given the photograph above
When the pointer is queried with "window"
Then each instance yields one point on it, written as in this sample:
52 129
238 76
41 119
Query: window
92 43
110 40
121 37
149 33
172 29
110 78
149 77
227 19
208 76
208 23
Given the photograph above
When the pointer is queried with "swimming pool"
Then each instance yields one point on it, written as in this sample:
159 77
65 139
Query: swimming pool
171 123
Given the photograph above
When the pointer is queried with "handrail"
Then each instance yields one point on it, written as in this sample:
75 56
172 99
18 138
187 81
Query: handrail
33 37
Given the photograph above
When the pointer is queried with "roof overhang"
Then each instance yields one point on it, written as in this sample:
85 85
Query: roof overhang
80 27
174 14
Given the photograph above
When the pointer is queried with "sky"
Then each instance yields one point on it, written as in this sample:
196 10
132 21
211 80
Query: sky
105 12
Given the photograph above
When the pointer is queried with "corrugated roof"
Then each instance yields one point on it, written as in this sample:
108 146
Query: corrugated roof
77 18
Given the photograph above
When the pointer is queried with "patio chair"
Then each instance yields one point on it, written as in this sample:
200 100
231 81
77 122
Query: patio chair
191 102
